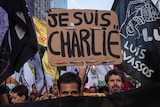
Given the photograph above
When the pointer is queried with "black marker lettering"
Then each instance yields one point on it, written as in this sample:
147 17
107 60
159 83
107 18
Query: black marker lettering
93 45
49 44
84 35
96 18
86 19
112 43
63 19
104 18
78 18
54 22
67 43
104 42
75 44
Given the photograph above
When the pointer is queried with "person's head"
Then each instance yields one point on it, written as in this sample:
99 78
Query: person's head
54 89
34 89
94 89
69 84
19 94
103 89
114 81
32 96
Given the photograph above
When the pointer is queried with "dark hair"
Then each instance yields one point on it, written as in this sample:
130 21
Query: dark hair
69 77
114 72
102 89
21 90
4 89
4 94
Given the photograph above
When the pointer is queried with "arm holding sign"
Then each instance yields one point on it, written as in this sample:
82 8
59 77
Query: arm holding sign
82 74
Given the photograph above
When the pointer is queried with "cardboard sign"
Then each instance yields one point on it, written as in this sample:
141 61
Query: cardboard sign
89 35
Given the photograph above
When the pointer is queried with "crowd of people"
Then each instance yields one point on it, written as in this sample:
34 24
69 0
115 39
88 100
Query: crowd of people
68 84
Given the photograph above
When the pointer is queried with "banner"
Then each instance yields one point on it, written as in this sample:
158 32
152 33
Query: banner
141 97
48 68
158 5
139 22
27 76
18 40
41 32
36 65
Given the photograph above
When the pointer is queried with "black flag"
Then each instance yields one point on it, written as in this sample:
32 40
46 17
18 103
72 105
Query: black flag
18 40
139 22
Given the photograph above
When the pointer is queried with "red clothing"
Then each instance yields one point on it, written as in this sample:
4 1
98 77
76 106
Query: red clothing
126 87
88 90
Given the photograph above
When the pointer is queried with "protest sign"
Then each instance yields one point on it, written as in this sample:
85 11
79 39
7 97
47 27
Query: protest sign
89 35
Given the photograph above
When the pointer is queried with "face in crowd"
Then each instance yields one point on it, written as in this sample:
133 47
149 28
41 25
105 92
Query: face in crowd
115 81
19 94
69 84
